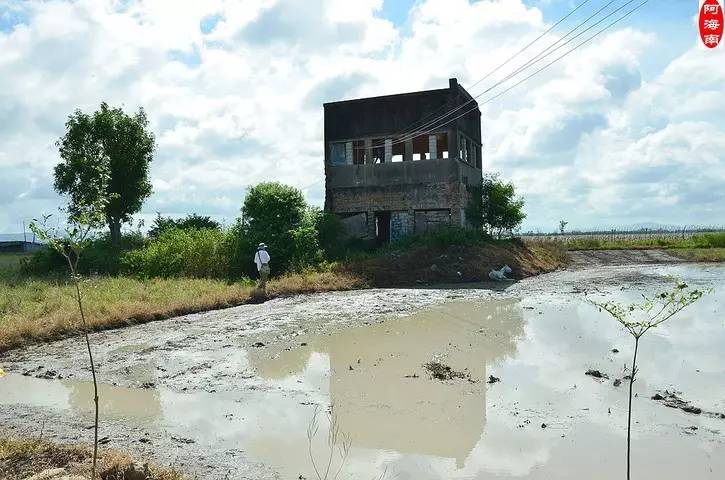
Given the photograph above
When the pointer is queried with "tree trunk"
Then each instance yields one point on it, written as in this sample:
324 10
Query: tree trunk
114 226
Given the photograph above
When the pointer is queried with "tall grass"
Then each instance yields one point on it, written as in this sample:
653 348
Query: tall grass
36 310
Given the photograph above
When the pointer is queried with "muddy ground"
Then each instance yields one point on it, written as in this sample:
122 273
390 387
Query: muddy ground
230 393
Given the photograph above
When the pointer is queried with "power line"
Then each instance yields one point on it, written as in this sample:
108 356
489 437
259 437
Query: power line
548 64
537 58
494 70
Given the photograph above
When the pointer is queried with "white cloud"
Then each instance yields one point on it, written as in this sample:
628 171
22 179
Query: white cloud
236 100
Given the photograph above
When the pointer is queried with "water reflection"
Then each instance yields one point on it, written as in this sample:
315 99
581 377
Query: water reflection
383 396
76 397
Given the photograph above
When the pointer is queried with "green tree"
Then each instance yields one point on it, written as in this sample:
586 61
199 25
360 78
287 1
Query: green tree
199 222
495 206
271 213
115 142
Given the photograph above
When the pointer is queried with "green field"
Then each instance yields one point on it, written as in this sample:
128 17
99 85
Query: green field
703 241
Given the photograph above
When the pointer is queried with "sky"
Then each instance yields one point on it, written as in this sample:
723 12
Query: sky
626 130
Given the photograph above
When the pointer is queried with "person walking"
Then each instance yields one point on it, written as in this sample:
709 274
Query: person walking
261 259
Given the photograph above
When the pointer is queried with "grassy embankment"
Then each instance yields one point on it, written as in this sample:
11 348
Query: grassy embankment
37 309
706 247
21 458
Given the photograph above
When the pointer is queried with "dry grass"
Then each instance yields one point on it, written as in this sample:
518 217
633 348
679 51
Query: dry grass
37 310
22 458
314 282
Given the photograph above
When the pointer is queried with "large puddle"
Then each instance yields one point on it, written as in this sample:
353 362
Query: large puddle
544 419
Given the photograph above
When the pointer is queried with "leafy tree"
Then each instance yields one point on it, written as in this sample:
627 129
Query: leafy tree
199 222
495 206
112 141
271 213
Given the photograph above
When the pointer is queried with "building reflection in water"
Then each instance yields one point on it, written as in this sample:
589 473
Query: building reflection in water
382 394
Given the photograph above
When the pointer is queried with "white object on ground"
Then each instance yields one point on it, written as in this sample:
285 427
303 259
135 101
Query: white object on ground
500 275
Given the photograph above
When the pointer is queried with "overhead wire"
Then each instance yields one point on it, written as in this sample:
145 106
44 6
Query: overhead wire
536 59
497 68
548 64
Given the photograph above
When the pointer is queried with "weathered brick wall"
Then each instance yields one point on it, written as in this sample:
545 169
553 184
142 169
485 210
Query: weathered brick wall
430 220
401 224
397 197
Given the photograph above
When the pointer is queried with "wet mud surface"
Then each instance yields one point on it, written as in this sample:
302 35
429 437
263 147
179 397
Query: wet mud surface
408 375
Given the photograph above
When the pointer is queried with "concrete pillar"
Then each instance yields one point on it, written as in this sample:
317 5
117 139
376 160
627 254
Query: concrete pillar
432 147
464 152
369 150
388 150
348 153
408 153
370 225
453 143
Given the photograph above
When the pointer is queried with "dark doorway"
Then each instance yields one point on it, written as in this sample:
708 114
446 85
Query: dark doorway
382 227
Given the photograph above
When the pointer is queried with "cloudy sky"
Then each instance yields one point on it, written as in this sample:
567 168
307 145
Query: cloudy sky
628 129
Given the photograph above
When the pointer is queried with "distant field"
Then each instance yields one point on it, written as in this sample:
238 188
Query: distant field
634 240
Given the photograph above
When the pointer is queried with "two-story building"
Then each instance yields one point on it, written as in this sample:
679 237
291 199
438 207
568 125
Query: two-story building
402 164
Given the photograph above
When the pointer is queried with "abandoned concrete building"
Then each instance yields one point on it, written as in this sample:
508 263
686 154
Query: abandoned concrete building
385 182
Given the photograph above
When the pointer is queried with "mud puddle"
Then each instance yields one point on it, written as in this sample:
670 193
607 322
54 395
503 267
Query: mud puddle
544 418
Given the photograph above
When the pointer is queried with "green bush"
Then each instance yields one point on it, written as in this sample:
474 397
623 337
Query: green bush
98 258
189 252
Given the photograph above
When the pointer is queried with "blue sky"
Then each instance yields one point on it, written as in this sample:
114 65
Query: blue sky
626 130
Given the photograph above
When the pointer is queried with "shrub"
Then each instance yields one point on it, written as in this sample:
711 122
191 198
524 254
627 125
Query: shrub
305 239
330 233
190 252
99 257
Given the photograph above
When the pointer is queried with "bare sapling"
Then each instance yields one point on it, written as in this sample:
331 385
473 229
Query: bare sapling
639 318
83 220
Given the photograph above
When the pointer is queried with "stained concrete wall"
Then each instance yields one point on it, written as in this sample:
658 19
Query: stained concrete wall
401 224
389 115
